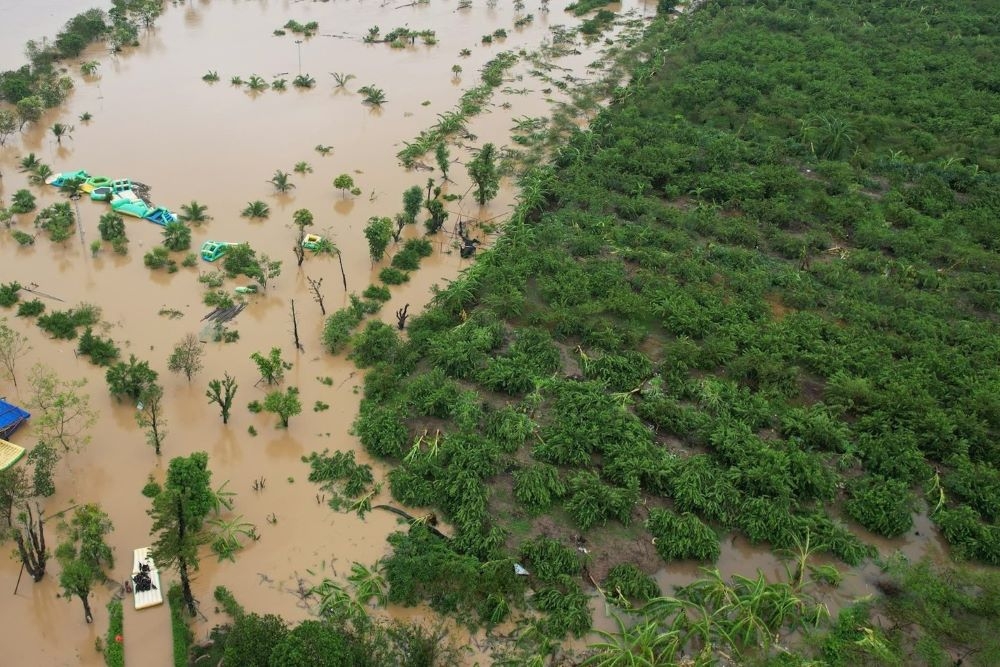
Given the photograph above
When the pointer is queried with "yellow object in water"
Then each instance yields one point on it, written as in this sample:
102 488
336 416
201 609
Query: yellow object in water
9 454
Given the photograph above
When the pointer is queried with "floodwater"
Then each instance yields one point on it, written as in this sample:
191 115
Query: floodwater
156 121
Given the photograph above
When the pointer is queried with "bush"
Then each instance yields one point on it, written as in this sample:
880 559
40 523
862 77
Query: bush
22 202
102 351
377 293
381 429
881 505
390 275
130 379
628 582
378 342
22 238
538 486
178 623
406 260
62 324
548 559
30 308
114 650
58 220
679 537
338 327
9 294
590 501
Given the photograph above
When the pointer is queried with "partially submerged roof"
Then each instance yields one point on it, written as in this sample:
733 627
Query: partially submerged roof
11 417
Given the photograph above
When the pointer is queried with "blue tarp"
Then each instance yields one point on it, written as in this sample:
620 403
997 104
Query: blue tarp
11 417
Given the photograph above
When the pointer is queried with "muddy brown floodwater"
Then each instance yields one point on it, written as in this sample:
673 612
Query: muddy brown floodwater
156 121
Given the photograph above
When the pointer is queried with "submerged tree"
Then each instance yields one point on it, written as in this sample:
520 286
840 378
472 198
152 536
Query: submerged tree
280 181
272 367
345 183
84 555
13 346
186 357
63 413
378 231
222 393
59 130
285 404
194 213
485 173
179 510
150 416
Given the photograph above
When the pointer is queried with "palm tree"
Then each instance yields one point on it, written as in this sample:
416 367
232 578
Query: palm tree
303 168
89 68
373 96
29 162
303 81
194 213
323 150
256 209
280 181
225 535
257 83
176 236
335 602
341 78
279 84
40 174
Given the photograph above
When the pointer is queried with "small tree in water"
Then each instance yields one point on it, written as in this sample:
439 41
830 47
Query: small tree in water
179 510
222 393
84 555
485 173
186 357
285 404
272 367
150 416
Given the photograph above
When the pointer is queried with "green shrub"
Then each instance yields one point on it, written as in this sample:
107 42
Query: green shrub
377 293
591 502
420 246
390 275
181 632
537 486
58 220
9 294
22 202
22 238
626 582
406 260
679 537
30 308
228 602
102 351
381 430
339 475
548 559
883 506
114 648
377 342
62 324
338 327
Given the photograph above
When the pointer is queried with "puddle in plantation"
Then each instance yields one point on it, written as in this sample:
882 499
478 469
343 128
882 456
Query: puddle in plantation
156 121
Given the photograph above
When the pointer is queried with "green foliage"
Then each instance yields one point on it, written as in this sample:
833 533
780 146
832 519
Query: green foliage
537 486
176 236
424 567
58 220
114 650
285 404
590 501
485 173
626 584
9 294
337 329
381 429
182 635
22 202
102 351
31 308
339 476
130 379
272 367
549 560
379 293
413 197
391 275
378 231
111 226
63 324
377 342
883 506
682 536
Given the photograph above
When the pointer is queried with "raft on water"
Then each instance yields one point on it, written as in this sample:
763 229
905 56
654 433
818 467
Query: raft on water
9 454
145 580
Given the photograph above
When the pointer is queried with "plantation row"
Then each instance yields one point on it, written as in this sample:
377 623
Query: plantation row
753 297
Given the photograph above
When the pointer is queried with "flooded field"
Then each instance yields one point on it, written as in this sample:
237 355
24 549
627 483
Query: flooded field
156 121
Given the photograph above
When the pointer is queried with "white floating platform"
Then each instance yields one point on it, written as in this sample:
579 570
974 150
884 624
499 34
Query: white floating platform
153 597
